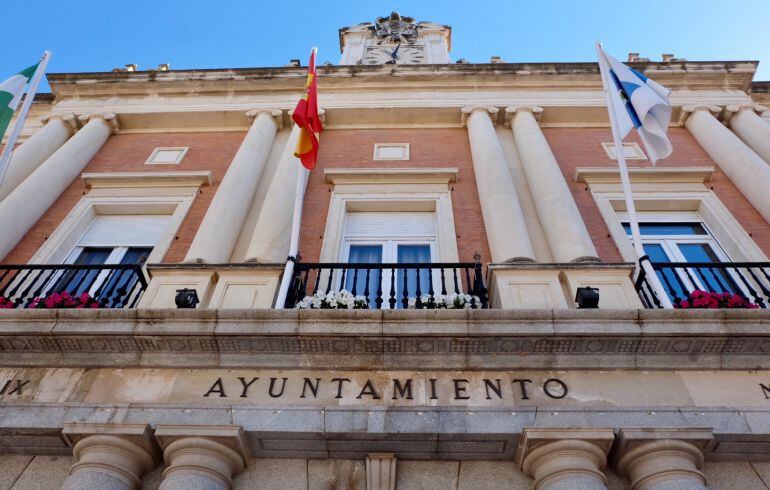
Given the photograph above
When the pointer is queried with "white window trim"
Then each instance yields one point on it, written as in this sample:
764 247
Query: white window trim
158 195
639 154
663 190
182 153
378 146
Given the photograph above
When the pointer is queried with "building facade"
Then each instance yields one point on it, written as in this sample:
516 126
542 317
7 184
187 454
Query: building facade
164 198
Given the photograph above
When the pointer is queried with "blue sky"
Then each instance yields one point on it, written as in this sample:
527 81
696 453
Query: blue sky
89 35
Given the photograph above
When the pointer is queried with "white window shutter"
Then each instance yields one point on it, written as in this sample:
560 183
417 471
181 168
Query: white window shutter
125 231
390 225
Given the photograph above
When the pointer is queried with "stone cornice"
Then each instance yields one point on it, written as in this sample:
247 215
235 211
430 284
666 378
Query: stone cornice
497 339
194 178
611 175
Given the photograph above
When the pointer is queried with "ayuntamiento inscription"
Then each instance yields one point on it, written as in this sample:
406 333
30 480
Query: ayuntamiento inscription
397 388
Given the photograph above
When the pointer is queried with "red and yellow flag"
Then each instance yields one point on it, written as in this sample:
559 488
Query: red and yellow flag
306 117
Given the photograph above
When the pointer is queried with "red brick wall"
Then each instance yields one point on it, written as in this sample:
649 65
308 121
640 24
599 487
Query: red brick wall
127 153
437 148
581 147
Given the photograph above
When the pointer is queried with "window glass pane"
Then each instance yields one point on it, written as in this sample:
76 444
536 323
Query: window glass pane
710 279
119 284
670 229
667 275
412 254
79 281
355 279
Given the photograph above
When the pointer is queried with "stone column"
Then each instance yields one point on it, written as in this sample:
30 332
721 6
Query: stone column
752 129
270 241
109 456
503 219
223 222
41 145
32 198
201 457
565 459
663 459
749 173
562 223
380 471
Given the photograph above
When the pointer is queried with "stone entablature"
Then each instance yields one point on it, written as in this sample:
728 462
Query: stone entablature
425 339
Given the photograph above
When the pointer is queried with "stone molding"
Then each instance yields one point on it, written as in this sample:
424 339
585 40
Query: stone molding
380 471
122 451
195 178
276 114
391 175
652 457
387 338
659 175
733 109
557 455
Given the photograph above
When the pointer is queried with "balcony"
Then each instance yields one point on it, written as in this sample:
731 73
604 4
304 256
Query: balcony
393 285
106 286
748 280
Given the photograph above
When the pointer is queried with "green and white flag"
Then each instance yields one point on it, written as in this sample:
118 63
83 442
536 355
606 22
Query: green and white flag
11 92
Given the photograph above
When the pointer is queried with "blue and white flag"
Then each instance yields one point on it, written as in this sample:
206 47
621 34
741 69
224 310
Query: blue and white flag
638 102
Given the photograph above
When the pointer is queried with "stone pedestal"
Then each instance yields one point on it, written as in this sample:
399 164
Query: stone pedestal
565 458
663 459
747 170
109 457
500 208
223 222
201 457
567 235
37 193
752 129
380 471
36 150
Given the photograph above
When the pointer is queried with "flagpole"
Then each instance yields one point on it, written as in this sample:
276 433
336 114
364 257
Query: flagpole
299 197
625 181
5 158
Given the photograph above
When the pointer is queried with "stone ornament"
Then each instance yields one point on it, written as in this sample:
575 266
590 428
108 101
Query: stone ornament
395 29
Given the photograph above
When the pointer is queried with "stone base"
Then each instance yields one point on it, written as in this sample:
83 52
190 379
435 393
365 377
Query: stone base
161 291
553 286
246 288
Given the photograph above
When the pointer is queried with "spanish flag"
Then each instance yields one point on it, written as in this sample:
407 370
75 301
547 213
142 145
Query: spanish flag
306 117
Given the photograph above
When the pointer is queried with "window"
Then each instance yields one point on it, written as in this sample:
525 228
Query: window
631 151
391 151
167 156
683 237
389 237
117 239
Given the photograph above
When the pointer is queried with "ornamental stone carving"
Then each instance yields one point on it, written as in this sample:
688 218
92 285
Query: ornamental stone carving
395 29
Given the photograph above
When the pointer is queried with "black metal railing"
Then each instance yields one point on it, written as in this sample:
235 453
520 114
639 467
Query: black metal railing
749 280
390 285
113 286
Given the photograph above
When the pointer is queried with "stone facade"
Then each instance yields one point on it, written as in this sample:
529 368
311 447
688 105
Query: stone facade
503 173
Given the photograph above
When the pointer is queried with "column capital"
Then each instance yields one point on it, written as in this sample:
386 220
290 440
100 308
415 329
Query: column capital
217 452
109 117
511 111
276 114
650 457
552 455
689 110
69 120
467 110
733 109
380 471
122 451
